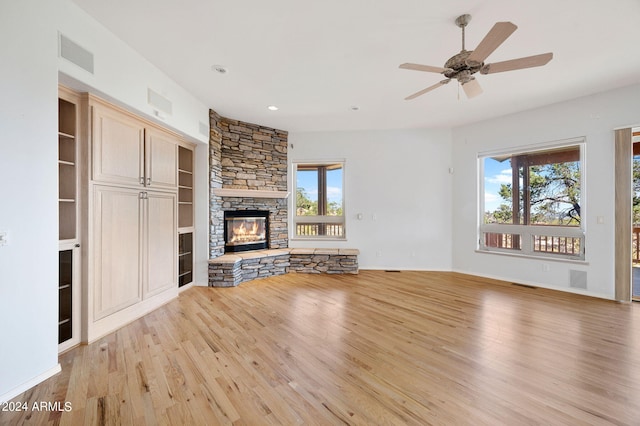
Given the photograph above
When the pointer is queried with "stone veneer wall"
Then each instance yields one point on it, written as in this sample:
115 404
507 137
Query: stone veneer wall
247 156
216 215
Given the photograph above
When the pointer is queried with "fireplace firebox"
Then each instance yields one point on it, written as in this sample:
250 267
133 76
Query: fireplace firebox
246 230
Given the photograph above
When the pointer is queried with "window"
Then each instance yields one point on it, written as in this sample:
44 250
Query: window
531 202
319 209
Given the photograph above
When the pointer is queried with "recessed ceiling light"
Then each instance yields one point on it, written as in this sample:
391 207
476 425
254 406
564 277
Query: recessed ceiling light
272 108
355 108
221 69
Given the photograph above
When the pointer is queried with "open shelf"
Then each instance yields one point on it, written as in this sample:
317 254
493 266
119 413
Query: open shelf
185 258
185 215
68 211
65 295
185 187
67 170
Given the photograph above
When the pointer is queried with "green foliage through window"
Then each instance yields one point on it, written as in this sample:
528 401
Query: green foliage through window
548 188
319 200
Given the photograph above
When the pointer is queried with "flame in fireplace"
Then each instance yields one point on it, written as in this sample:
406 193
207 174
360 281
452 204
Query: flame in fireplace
246 234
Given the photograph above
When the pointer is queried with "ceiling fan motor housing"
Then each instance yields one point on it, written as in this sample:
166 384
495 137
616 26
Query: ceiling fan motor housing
457 67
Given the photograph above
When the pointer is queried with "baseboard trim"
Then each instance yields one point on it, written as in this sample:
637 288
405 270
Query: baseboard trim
31 383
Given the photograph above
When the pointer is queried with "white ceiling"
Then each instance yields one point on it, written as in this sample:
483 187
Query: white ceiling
317 59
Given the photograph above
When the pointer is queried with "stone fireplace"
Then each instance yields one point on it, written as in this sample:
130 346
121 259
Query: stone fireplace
248 171
246 230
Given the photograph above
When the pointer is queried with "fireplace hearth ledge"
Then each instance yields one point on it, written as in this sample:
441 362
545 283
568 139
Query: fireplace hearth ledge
229 270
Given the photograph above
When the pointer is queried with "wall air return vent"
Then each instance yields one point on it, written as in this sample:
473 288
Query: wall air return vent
159 103
578 279
76 54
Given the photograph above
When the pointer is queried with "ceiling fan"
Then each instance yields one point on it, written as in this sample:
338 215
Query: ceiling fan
468 62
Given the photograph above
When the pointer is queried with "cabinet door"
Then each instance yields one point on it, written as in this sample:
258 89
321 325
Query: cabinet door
160 243
117 233
161 152
118 147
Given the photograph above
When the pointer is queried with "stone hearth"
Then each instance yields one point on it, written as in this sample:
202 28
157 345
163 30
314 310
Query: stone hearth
230 270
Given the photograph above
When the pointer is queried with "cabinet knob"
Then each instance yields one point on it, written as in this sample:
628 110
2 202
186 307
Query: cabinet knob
141 180
148 181
77 245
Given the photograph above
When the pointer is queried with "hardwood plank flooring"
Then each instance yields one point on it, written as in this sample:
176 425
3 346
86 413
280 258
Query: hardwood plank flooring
372 349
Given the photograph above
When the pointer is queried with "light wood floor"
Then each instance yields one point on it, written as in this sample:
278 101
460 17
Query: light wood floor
377 348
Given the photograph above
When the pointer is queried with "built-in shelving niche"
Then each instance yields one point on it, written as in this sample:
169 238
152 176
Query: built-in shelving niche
68 230
185 215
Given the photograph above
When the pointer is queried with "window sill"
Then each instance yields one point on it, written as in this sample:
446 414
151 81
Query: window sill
317 239
541 258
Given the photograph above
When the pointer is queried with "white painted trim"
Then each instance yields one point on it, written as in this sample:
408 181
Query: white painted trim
556 258
632 126
249 193
31 383
535 147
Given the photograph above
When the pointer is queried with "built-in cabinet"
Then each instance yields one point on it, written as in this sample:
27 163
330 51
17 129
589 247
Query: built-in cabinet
69 287
127 151
185 214
132 217
134 246
126 216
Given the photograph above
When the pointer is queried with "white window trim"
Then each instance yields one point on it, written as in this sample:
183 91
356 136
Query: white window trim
527 232
294 219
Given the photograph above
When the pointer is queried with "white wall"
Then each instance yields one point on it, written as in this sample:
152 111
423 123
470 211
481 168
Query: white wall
28 165
123 76
400 177
593 117
28 194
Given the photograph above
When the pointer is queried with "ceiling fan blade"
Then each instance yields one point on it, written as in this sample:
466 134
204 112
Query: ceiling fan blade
418 67
494 38
517 64
428 89
472 88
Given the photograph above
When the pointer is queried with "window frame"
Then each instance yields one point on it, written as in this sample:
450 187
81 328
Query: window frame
321 219
527 232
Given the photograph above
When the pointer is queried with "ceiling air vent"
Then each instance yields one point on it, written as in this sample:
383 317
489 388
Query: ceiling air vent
76 54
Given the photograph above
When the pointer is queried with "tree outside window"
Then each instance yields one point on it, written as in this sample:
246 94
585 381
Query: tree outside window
319 200
540 192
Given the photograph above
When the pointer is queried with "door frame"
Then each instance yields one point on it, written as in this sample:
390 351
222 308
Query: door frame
623 171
